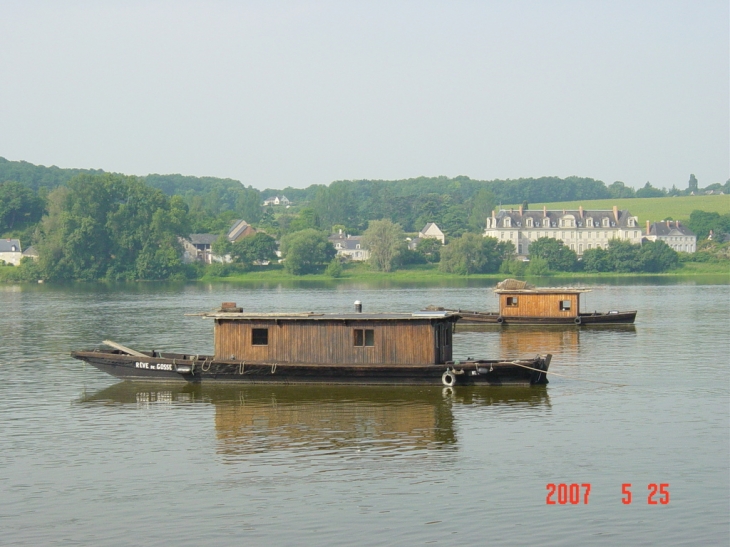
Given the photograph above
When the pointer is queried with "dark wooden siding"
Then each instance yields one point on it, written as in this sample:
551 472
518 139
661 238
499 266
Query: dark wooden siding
330 342
539 305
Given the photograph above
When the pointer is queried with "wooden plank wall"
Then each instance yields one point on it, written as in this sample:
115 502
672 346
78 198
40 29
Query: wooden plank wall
538 305
328 342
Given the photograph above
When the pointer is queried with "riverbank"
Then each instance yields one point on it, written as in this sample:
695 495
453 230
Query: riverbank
708 272
429 273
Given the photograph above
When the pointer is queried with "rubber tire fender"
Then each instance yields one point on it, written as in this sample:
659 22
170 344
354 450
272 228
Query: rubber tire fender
500 319
448 378
577 320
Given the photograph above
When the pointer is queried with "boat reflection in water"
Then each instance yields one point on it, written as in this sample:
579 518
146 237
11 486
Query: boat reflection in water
560 341
255 419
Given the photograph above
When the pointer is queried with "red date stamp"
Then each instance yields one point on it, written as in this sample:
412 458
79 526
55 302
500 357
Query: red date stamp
568 493
577 493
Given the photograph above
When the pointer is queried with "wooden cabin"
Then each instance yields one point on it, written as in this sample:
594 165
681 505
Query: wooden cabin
539 303
421 338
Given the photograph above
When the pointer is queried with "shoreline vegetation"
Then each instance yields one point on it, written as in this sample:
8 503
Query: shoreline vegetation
714 273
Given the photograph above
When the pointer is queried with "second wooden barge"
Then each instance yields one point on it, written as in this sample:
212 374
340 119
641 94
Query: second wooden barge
521 304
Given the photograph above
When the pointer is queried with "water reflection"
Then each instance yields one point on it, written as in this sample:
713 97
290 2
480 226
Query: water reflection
528 340
253 419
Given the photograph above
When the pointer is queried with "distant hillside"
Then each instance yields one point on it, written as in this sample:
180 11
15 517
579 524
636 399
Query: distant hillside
39 176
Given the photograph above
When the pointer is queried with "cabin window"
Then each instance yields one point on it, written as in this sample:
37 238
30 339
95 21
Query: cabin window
364 337
565 305
511 300
260 337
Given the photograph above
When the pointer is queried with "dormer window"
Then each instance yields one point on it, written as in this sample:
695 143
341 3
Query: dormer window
546 223
528 223
589 222
507 222
605 223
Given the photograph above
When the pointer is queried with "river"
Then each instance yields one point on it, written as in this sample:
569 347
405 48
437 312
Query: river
88 460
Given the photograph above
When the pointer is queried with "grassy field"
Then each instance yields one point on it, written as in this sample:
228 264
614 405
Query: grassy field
652 209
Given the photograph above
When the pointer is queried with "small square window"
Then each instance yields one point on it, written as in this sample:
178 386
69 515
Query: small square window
565 305
260 337
363 337
511 300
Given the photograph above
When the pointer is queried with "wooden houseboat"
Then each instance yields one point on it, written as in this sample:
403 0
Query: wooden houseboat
349 348
520 303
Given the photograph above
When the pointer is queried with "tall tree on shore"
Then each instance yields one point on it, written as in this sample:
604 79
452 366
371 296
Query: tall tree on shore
386 241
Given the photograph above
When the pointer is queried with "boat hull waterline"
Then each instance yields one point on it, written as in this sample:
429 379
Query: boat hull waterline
178 367
598 318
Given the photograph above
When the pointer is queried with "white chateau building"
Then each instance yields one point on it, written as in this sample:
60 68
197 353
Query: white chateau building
673 233
580 230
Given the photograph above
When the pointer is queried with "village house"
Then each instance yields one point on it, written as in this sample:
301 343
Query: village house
239 230
579 229
349 247
10 251
429 231
276 200
197 248
432 231
673 233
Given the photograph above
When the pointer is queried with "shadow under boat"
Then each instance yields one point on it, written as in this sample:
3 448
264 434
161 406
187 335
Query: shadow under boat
249 419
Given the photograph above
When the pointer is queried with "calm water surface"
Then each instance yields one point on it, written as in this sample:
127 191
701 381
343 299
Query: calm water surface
87 460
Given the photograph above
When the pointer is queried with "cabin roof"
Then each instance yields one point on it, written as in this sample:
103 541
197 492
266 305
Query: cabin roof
544 290
313 316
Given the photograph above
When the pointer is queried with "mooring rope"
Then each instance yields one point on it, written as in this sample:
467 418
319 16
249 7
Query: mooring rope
566 376
273 368
205 361
241 365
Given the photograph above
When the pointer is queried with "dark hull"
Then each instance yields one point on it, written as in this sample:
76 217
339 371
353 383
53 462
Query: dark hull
170 367
611 318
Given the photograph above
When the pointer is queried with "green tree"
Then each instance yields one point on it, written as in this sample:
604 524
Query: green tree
111 226
306 251
482 205
19 206
538 266
648 191
472 253
334 269
623 256
596 260
386 242
306 219
258 247
619 190
704 222
430 249
693 184
657 256
559 257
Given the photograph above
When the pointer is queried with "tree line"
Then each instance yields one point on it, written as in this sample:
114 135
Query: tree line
101 225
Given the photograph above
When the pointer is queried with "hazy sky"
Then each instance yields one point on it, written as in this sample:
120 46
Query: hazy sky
296 93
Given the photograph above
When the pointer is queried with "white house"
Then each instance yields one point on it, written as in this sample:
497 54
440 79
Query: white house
349 246
10 251
579 229
276 200
432 231
673 233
